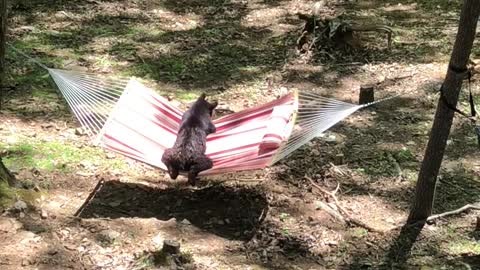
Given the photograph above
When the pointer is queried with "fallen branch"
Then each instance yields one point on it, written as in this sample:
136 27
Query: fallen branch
332 212
335 30
464 208
342 211
334 169
475 206
89 198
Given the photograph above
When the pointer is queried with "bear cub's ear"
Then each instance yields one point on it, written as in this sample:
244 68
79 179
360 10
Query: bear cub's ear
213 105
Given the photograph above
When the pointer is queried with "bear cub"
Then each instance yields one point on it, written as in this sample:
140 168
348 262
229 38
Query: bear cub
188 152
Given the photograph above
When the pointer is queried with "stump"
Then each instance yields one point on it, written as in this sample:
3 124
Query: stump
338 159
367 94
171 247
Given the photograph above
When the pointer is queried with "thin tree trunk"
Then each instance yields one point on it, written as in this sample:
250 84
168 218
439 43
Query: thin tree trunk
5 175
425 189
3 40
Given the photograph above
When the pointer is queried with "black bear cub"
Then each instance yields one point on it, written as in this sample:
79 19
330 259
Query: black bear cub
188 152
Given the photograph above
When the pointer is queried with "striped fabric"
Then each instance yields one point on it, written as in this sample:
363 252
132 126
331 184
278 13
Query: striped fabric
279 127
143 124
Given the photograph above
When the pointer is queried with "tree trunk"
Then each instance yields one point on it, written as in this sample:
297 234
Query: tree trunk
6 176
3 39
425 189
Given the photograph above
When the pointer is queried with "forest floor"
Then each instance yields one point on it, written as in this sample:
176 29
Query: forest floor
242 53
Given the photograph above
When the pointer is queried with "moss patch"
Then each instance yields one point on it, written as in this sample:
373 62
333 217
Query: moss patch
52 156
7 195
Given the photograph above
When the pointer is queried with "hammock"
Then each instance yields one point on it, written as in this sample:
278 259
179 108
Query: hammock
126 117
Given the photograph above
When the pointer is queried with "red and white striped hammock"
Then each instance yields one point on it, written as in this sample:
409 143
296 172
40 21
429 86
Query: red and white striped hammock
144 124
128 118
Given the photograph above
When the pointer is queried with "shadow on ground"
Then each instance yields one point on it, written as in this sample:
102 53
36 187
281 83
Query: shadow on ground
229 212
396 255
210 45
218 50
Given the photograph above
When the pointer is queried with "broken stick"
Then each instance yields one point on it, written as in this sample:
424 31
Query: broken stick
90 198
343 212
475 206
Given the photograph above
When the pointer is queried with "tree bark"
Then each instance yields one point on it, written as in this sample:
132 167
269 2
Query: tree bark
425 188
5 175
3 40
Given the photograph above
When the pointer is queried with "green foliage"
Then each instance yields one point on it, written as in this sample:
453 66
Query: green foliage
359 233
51 156
188 96
285 232
9 195
284 216
169 68
45 94
410 175
403 155
464 246
456 188
385 162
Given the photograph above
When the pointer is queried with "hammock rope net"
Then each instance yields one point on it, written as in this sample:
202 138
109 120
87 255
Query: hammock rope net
126 117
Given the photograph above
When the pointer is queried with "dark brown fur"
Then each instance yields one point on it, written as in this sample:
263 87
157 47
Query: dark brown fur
188 152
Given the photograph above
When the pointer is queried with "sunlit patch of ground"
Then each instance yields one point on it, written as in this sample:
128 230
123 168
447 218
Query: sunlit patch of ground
243 54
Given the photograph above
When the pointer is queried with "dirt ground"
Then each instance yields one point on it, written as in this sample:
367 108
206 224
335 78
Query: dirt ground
242 53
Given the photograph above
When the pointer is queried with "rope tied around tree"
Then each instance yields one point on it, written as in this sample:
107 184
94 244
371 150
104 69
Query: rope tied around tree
473 112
